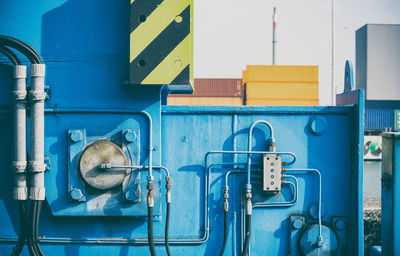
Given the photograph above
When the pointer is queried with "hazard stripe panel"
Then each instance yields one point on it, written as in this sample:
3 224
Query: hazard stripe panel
161 42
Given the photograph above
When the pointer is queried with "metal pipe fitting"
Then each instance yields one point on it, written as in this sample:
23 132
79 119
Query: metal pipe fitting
150 196
168 187
19 130
226 197
36 163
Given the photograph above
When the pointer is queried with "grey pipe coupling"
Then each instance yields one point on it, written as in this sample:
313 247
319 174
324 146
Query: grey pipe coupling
38 70
20 193
36 193
20 71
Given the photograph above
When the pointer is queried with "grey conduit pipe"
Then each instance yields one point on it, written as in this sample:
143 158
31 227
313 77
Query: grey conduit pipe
36 163
19 131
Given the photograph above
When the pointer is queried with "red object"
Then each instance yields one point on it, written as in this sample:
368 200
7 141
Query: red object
215 87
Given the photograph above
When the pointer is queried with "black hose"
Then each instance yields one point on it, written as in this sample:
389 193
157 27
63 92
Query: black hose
247 239
31 230
36 228
23 47
166 229
10 55
150 231
22 229
225 233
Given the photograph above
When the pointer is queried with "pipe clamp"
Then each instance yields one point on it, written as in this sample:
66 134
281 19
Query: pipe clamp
19 166
37 95
19 95
36 166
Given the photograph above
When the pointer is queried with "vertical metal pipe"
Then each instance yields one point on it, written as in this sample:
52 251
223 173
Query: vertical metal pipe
19 130
273 36
37 97
333 55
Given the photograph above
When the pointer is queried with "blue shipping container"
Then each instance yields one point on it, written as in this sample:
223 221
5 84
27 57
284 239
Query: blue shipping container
378 119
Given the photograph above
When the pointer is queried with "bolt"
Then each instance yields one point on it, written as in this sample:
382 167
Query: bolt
297 224
130 136
272 170
130 196
76 194
340 224
76 136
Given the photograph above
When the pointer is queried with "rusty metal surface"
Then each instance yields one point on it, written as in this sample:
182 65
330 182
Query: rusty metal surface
215 87
102 152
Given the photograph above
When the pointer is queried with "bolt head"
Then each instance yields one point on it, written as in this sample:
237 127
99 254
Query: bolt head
76 136
130 136
76 194
130 196
340 224
297 223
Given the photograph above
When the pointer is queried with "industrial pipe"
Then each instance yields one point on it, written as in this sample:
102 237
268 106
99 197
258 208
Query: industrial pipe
168 199
10 55
36 162
226 210
150 207
19 153
19 128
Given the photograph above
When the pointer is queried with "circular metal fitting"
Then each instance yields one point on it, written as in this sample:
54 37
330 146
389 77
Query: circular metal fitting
76 136
130 136
76 194
102 152
318 126
297 223
309 241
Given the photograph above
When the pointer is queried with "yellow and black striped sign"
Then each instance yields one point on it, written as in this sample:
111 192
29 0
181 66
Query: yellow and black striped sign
161 42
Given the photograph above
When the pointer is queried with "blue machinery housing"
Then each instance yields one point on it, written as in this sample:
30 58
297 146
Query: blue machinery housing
218 160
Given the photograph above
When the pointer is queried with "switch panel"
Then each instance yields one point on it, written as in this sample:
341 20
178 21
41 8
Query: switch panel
272 172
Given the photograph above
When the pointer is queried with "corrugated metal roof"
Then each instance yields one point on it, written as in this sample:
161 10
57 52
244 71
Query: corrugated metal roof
216 87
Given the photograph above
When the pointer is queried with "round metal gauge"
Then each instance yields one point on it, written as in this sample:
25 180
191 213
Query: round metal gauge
103 152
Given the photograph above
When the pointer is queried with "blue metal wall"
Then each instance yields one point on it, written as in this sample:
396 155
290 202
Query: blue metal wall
390 194
85 47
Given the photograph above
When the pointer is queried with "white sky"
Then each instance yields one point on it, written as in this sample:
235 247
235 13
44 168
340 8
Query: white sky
230 34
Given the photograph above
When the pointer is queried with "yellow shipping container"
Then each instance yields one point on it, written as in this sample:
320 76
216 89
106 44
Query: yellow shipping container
206 101
281 85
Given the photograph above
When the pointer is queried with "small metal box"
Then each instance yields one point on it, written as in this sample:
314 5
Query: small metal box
272 172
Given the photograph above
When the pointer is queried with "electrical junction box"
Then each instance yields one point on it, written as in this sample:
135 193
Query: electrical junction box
272 173
161 43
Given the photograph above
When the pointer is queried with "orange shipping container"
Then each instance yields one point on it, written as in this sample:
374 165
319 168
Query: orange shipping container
281 85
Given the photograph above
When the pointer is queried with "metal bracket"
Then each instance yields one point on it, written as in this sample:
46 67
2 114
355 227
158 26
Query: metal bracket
339 224
76 143
297 224
130 140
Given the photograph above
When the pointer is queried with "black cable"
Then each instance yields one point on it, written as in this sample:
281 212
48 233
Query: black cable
247 239
36 228
24 48
31 230
22 228
225 233
10 55
150 231
166 229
